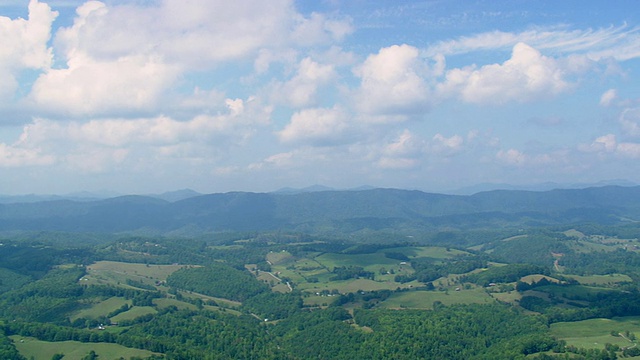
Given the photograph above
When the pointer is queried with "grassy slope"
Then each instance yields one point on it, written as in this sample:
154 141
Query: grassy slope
73 350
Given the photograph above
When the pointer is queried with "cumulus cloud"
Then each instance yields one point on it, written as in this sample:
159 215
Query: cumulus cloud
630 121
18 156
319 126
392 82
318 28
97 144
24 45
517 158
403 152
608 97
128 58
301 90
609 144
447 146
526 76
511 157
88 87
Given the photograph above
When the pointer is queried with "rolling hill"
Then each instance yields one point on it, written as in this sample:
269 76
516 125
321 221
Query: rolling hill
341 211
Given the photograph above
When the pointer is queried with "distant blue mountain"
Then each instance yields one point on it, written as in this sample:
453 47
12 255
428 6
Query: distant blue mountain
326 212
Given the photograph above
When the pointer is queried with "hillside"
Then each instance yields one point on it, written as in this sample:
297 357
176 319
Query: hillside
340 211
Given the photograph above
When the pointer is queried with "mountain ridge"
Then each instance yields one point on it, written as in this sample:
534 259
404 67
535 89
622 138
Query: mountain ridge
335 211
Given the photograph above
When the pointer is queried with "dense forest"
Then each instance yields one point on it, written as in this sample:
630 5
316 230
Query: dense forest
510 292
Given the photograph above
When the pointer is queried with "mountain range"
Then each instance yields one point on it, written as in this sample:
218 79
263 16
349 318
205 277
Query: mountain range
343 212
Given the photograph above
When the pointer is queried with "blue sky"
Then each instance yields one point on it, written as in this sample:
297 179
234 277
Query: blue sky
146 96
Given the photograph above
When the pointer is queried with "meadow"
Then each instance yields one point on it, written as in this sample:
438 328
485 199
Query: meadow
117 273
425 299
73 350
595 333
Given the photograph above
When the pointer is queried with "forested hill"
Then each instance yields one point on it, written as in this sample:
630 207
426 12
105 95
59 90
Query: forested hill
341 211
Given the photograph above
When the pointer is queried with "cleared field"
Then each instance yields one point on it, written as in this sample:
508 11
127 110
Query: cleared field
353 285
133 313
275 258
434 252
601 280
574 233
117 273
166 302
73 350
595 333
572 291
370 262
535 278
425 299
101 308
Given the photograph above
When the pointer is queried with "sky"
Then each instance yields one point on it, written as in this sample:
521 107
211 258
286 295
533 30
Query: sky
147 96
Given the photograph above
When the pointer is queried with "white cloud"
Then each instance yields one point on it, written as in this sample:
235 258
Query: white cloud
392 82
317 126
447 146
320 29
631 150
88 87
126 59
526 76
23 45
511 157
97 145
608 97
630 121
608 144
404 152
17 156
620 43
301 91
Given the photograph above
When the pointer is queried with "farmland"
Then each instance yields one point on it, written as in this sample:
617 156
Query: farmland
268 287
74 350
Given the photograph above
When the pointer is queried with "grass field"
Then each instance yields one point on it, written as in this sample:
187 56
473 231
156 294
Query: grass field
101 308
370 262
166 302
573 292
601 280
535 278
434 252
353 285
595 333
425 299
133 313
277 258
117 273
73 350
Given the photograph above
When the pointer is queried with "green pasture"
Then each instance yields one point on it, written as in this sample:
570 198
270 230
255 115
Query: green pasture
117 273
281 257
508 296
595 333
101 308
73 350
537 277
133 313
164 303
515 237
353 285
601 280
223 302
572 292
370 262
434 252
425 299
574 233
